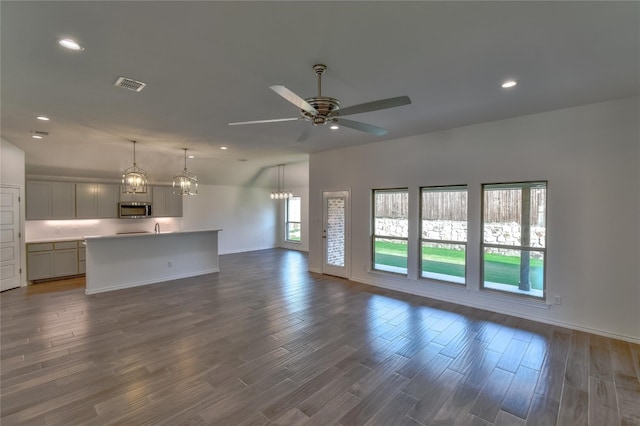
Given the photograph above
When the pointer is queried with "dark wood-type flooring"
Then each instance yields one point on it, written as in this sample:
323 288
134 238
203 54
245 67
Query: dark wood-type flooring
266 342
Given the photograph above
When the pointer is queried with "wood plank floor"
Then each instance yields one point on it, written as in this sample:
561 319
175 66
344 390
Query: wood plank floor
264 342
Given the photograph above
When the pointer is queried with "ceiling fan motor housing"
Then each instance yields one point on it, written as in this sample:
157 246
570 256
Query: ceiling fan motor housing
325 106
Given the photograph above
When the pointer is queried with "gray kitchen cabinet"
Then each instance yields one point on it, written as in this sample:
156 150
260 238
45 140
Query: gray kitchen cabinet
165 202
38 200
140 198
86 200
82 258
65 262
50 200
63 200
108 197
174 204
97 200
39 261
54 259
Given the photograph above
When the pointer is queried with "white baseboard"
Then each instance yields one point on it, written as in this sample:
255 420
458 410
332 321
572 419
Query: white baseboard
515 312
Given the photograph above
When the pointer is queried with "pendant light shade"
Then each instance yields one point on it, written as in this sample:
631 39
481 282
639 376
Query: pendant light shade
185 183
281 194
134 179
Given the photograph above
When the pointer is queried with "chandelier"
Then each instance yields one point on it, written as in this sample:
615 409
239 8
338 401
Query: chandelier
185 183
134 179
281 194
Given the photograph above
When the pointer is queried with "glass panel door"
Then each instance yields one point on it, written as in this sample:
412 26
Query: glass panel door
335 233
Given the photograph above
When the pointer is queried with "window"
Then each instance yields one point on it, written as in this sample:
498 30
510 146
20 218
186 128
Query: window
390 232
443 233
293 220
514 238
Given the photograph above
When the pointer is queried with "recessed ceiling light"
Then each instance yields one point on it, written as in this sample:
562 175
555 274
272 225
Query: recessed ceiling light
223 147
36 136
70 44
192 156
43 118
509 83
334 127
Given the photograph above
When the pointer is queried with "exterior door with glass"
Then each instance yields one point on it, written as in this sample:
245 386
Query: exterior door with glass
336 234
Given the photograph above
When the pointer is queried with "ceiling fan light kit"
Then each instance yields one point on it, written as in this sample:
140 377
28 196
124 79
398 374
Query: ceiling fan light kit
320 110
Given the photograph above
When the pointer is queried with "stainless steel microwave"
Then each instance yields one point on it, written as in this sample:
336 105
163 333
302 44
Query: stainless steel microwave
134 210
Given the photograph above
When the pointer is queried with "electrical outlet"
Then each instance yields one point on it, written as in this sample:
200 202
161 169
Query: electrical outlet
170 264
557 300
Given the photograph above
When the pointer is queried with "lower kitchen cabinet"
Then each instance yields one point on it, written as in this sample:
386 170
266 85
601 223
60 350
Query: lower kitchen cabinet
54 259
39 261
82 258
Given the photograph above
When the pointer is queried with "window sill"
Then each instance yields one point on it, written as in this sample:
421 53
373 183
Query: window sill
392 270
443 279
400 274
520 299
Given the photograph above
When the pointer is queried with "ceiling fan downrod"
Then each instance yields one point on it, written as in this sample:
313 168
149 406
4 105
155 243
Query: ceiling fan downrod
319 70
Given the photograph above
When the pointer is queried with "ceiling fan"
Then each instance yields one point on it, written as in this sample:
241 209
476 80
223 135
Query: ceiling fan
321 110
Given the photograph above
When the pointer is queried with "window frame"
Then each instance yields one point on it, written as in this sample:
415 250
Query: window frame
374 236
287 221
483 245
422 240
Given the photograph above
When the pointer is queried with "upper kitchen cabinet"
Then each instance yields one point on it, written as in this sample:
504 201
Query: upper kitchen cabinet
137 197
166 203
108 197
97 200
50 200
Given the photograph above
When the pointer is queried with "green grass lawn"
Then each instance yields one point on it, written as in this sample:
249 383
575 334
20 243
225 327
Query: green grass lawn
497 268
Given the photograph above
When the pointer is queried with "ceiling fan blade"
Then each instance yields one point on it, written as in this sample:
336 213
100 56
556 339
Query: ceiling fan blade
294 99
305 134
275 120
369 128
375 105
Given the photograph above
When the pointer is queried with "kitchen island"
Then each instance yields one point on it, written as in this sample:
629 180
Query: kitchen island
115 262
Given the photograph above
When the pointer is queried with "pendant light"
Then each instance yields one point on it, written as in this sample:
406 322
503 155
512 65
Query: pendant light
185 183
134 179
281 194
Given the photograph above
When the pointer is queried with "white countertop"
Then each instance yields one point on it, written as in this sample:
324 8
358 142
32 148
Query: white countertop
127 235
54 240
147 234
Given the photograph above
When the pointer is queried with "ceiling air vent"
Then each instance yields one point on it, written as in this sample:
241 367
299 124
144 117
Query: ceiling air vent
39 133
129 84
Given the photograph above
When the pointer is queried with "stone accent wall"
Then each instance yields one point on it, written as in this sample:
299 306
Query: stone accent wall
496 233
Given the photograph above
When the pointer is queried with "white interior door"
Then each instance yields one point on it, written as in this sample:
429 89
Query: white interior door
336 233
9 238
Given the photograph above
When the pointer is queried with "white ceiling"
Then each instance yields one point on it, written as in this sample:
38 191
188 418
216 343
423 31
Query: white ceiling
210 63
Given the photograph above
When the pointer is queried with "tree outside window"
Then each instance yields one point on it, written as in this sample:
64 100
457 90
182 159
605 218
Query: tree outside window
514 238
